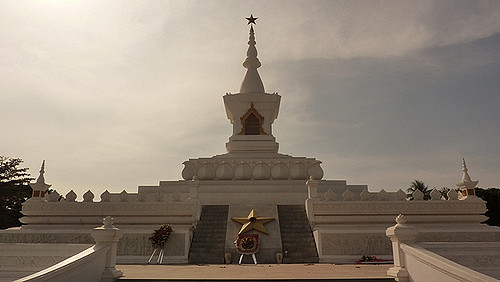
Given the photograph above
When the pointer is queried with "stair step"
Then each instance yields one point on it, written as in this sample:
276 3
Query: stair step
207 250
209 238
210 229
288 245
296 236
301 237
295 229
290 241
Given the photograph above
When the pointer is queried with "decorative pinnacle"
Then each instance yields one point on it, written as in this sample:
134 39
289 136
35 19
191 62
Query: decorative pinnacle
39 187
466 182
465 170
41 178
251 61
42 169
251 81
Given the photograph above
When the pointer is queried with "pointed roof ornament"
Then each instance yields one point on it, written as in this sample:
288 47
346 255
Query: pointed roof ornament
41 178
252 82
467 185
465 176
40 187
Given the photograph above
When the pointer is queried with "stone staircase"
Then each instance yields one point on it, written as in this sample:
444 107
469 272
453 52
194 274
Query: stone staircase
207 246
296 236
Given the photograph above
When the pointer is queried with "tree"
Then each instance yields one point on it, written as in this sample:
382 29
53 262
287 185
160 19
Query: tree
444 192
492 198
418 185
14 190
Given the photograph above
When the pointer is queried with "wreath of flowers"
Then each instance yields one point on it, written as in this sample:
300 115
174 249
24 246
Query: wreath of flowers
160 236
247 243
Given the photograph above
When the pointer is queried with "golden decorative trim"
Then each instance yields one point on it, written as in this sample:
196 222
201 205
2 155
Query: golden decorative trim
243 119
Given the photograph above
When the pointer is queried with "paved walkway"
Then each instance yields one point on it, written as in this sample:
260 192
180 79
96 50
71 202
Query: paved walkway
249 272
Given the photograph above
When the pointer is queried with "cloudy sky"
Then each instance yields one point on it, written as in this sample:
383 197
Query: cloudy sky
116 94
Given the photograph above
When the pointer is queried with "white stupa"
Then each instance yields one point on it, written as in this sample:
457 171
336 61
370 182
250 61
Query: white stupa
467 185
252 188
252 150
39 187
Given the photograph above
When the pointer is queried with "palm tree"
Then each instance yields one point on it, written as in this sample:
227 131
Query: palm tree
444 192
418 185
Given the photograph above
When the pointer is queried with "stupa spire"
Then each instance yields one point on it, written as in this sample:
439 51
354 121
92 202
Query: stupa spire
41 178
251 81
39 187
252 111
465 176
467 185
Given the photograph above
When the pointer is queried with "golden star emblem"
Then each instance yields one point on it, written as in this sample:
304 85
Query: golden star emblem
251 20
252 221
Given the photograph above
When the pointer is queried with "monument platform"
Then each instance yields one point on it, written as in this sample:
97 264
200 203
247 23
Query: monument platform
259 272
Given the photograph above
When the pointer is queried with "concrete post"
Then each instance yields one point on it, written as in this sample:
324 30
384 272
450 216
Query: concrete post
193 194
108 235
193 187
312 188
312 195
400 233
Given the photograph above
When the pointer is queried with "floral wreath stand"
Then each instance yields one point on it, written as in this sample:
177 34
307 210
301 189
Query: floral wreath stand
161 252
158 240
247 244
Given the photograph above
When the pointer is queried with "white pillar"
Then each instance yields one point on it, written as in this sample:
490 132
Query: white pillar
193 194
312 188
193 187
108 235
312 196
400 233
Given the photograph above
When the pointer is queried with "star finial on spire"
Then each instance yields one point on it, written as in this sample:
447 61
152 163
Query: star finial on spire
251 19
251 82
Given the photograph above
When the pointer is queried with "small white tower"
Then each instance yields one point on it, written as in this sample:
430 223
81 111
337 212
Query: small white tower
466 186
252 111
40 187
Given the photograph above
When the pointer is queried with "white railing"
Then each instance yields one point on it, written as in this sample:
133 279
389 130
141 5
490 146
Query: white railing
87 265
96 263
22 259
155 208
424 265
414 263
383 206
348 223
